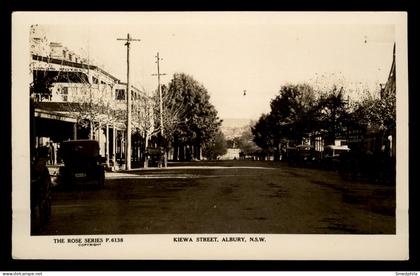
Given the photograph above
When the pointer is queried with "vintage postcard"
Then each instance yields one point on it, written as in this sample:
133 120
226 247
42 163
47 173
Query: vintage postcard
210 135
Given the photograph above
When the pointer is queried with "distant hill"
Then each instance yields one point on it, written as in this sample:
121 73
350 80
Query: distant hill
232 128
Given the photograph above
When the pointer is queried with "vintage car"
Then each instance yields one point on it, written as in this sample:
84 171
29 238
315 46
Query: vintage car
154 156
333 155
82 164
301 155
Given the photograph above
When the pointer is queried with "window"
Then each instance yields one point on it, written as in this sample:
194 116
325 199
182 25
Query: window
120 94
65 91
95 80
70 57
65 98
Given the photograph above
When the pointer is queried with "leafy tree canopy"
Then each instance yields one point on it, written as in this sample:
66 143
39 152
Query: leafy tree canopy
200 120
216 147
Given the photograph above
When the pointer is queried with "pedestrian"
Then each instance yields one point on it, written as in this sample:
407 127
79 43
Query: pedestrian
59 154
51 153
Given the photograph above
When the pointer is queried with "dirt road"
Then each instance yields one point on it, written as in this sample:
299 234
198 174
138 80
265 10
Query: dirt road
225 197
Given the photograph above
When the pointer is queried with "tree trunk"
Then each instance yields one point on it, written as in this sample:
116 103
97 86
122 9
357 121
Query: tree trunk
188 153
181 152
114 145
168 145
107 145
98 138
122 145
197 151
90 130
138 153
175 153
165 158
146 157
194 152
176 148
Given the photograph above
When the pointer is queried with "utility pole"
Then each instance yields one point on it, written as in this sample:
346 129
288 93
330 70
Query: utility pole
128 40
160 99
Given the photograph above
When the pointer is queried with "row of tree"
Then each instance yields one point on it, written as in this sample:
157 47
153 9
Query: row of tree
189 121
300 111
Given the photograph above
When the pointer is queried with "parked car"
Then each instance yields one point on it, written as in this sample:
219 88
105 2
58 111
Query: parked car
154 156
333 156
301 155
82 164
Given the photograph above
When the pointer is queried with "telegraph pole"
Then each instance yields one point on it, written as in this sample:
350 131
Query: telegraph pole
128 40
160 98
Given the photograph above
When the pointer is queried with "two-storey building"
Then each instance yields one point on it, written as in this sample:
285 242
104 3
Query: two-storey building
77 100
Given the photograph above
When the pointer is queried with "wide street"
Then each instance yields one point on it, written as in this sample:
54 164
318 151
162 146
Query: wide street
225 197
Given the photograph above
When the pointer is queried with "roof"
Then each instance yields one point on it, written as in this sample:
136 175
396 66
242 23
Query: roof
56 111
63 111
56 106
73 64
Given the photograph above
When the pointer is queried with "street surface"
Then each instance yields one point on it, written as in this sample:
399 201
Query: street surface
225 197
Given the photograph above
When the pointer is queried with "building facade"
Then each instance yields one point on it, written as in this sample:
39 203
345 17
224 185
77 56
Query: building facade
77 100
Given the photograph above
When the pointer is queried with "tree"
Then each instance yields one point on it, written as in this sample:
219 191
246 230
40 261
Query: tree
233 143
92 105
143 123
41 85
247 145
143 117
293 112
334 117
374 120
216 147
263 132
200 122
298 112
377 114
173 114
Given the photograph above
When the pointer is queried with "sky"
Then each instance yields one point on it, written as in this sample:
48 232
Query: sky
232 52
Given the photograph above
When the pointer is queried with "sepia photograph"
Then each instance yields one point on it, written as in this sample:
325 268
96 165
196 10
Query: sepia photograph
210 135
